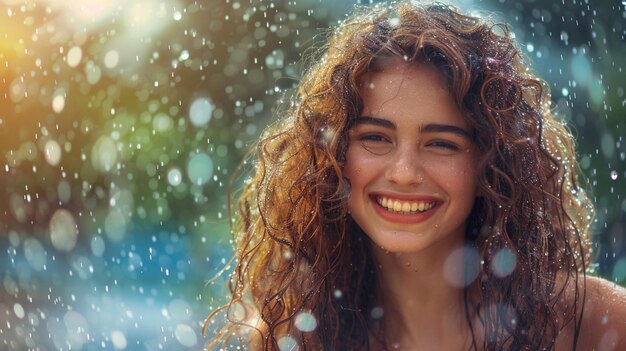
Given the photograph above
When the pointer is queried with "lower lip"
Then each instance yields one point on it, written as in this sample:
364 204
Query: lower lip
403 218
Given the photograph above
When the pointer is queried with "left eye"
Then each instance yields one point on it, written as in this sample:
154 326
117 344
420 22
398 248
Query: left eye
444 144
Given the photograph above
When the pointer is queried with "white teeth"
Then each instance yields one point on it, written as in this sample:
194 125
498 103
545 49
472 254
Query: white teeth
397 206
404 207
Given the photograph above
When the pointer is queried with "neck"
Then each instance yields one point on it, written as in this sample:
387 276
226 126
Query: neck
422 309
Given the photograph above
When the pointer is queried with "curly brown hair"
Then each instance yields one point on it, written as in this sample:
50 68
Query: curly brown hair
297 249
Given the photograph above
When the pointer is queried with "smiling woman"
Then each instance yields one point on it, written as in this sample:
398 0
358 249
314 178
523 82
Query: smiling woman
420 195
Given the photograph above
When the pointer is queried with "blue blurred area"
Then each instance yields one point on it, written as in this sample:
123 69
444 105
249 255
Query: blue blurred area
147 292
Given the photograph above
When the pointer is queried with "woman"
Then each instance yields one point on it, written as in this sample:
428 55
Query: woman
419 195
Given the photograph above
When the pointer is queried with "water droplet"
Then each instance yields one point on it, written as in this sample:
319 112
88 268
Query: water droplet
462 266
287 343
35 254
200 112
174 176
185 335
97 246
305 322
118 339
614 175
503 263
200 169
104 154
74 55
111 59
63 230
377 312
19 310
58 102
52 152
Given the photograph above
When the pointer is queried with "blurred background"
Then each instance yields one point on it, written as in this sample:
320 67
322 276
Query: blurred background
121 122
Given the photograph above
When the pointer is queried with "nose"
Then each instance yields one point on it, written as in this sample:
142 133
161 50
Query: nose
404 167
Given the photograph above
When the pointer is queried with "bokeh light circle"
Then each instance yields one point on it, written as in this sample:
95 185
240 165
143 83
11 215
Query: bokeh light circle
200 169
63 230
200 112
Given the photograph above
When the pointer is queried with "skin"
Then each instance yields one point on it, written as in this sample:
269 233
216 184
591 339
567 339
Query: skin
412 144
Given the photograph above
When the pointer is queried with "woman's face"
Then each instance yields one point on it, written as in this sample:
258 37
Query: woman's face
411 161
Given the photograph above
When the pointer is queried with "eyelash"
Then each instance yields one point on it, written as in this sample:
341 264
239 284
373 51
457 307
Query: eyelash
378 138
373 137
445 145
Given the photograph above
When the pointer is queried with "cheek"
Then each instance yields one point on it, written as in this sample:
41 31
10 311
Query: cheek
460 178
353 165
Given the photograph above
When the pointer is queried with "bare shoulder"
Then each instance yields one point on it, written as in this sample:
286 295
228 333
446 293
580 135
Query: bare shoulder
604 317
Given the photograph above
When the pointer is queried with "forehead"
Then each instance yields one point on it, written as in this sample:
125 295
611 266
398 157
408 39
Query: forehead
417 90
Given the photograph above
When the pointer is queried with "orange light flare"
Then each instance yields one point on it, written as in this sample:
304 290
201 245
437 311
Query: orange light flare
49 48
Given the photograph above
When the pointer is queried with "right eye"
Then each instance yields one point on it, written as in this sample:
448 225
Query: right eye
377 144
373 138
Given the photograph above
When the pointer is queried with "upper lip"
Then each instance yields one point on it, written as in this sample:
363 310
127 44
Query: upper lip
406 197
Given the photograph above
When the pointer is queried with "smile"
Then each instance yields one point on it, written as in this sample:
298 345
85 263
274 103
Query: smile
404 207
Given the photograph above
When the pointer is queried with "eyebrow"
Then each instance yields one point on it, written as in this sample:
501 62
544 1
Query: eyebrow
429 128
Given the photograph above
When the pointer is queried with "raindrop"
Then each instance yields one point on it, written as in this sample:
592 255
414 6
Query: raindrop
184 55
58 102
275 60
52 152
305 322
462 266
377 312
63 230
200 112
179 310
115 225
185 335
162 122
35 254
118 339
174 177
104 154
614 175
74 55
77 329
97 246
200 169
93 72
503 263
19 310
111 59
287 343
